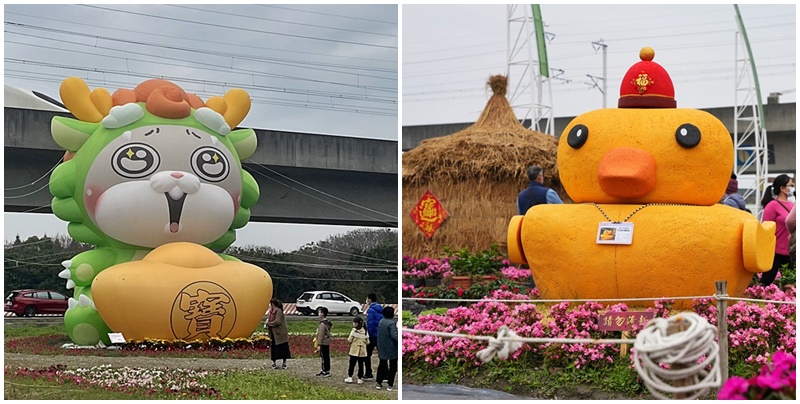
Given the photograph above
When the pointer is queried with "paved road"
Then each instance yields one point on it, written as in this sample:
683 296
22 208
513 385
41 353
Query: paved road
454 392
55 319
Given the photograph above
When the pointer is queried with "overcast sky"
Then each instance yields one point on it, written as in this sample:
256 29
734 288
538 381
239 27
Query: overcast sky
450 50
328 69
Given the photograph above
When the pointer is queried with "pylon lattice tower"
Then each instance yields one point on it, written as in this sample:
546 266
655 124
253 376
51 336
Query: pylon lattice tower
529 92
751 156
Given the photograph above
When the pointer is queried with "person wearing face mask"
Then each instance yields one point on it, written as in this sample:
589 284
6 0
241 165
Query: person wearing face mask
776 208
791 224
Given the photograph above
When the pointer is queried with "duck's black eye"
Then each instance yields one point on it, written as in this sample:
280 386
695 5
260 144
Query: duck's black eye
577 136
687 136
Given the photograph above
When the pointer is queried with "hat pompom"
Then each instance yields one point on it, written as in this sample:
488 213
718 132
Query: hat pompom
647 84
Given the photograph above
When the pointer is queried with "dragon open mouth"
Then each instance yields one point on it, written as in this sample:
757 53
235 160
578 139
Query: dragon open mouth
175 209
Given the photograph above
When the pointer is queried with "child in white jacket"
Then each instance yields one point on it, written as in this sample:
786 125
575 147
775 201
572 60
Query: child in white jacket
358 349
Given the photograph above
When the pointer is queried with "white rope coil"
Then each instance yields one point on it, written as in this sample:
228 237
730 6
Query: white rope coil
505 344
688 353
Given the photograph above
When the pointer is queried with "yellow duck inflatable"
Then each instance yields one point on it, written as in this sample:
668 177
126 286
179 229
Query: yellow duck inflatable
651 174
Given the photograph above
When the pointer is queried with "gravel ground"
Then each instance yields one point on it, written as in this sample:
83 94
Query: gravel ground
305 368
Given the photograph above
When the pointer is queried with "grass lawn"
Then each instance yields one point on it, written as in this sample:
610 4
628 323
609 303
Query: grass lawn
255 385
261 384
47 339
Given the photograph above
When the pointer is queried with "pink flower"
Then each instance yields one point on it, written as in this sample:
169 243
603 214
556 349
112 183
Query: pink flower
734 389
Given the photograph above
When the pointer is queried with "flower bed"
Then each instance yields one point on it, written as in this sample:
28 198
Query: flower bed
425 269
755 330
776 381
179 382
239 348
512 279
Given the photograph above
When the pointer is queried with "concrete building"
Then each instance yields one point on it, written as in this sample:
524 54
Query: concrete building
780 121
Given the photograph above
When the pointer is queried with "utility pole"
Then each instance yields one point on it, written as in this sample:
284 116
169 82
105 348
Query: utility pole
597 45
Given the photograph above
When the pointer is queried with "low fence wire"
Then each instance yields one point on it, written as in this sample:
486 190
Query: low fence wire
507 342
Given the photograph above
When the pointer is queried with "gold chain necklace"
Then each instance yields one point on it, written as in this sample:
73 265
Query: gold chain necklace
637 209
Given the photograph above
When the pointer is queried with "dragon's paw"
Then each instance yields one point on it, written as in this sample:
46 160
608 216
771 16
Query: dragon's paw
84 324
84 267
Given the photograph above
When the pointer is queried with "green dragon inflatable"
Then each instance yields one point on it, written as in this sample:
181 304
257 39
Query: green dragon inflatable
145 168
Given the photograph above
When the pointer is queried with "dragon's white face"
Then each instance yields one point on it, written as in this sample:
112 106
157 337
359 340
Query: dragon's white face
164 183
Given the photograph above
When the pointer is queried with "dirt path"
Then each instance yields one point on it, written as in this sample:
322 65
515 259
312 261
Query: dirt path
305 368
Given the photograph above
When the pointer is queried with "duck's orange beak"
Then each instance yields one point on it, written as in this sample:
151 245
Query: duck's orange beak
627 173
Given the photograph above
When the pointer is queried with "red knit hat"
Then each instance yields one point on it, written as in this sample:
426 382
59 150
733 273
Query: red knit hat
647 85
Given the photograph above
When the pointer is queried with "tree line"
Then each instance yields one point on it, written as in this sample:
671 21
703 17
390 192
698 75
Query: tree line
356 263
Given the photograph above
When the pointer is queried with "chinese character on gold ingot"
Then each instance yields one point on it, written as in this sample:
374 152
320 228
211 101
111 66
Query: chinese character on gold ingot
619 321
608 321
429 211
205 312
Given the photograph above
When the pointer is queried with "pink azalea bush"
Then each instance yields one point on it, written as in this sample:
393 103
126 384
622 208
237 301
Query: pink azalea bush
483 318
425 268
776 381
408 290
756 330
515 274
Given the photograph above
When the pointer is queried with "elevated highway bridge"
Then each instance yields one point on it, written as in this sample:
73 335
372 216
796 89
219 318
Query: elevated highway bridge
304 177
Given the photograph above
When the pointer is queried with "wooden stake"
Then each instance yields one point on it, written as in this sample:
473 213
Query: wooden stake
623 348
679 326
722 328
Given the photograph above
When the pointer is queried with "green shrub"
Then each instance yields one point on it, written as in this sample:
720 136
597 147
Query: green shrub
409 319
465 263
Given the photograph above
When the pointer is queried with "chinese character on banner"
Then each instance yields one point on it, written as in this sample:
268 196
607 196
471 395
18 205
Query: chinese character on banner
428 214
622 321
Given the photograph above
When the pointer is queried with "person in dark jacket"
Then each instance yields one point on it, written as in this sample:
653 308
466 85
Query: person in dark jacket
536 193
732 197
278 334
324 341
374 316
387 349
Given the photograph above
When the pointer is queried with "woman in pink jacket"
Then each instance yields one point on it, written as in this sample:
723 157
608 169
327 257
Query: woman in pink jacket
776 207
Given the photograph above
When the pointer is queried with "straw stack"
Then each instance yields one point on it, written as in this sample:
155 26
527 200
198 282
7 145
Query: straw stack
476 174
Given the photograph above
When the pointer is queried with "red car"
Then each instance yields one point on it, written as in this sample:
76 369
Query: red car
29 302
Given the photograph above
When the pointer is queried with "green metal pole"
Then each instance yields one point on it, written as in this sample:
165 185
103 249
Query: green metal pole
752 65
544 69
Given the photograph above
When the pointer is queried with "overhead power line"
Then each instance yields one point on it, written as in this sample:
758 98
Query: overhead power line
310 65
242 29
217 12
162 35
37 180
319 266
53 78
329 14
